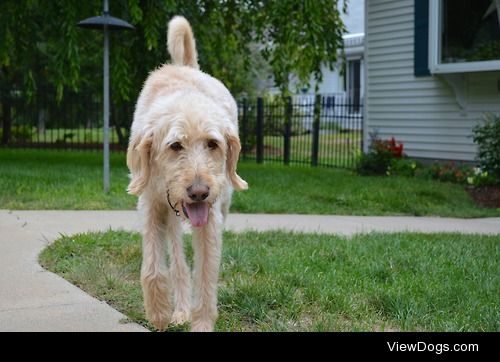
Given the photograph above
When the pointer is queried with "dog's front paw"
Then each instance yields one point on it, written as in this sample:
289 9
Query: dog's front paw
159 320
202 326
180 317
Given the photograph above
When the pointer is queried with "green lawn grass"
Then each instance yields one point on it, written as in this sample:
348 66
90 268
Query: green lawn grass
279 281
43 179
307 190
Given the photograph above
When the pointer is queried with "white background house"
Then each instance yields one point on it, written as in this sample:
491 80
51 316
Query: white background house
432 70
348 78
345 80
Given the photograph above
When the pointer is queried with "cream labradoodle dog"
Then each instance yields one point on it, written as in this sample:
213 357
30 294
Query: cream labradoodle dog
182 155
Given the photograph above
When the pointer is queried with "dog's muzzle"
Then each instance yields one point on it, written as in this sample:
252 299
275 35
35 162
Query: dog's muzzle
195 212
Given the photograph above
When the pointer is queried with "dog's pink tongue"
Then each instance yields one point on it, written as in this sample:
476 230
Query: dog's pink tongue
197 213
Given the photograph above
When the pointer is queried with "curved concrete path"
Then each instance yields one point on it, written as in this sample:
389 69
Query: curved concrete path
33 299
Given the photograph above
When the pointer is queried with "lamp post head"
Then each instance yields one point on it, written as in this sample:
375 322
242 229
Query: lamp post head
99 22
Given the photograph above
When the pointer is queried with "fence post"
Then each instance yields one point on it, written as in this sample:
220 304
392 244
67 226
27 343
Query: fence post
363 125
244 128
288 130
260 130
316 121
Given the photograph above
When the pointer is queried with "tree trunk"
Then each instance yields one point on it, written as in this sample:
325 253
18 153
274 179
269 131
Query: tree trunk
42 116
7 121
118 116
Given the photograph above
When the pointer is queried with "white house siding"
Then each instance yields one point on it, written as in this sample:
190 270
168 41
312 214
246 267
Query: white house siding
332 81
422 112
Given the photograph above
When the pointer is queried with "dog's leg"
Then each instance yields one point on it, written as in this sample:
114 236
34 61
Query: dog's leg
226 202
179 272
154 273
207 243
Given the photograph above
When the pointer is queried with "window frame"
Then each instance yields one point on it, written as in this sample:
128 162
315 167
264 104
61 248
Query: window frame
435 66
349 78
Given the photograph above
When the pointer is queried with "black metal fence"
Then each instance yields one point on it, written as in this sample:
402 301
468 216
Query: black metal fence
74 123
320 130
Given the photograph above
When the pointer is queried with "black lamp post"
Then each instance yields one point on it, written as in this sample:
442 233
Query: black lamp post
105 22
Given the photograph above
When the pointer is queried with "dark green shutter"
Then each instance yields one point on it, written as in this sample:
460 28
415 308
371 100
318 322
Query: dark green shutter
421 46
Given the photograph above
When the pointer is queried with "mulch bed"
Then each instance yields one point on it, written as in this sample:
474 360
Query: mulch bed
488 196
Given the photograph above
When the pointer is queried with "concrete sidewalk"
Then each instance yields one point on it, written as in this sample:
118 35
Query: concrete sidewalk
32 299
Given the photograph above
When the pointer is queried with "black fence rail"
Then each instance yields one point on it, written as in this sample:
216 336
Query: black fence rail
320 130
74 123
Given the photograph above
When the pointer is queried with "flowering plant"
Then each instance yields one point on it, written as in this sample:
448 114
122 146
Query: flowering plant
486 135
395 148
378 160
480 178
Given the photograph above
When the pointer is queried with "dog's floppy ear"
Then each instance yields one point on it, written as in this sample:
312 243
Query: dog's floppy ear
233 153
138 159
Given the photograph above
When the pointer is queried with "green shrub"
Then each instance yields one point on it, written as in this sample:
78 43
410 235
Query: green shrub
487 136
481 178
456 173
448 172
374 163
379 157
21 133
403 167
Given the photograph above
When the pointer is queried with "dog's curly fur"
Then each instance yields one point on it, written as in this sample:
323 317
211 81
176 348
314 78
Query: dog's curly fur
183 151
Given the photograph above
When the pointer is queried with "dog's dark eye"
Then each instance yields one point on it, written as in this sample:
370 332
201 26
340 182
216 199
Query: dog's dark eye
212 145
176 146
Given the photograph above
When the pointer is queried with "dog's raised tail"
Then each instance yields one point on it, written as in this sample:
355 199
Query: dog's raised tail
181 43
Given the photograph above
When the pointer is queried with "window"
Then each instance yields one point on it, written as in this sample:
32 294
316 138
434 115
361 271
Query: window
354 83
464 35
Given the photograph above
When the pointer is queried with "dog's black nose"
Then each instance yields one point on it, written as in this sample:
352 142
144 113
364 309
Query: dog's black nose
198 192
